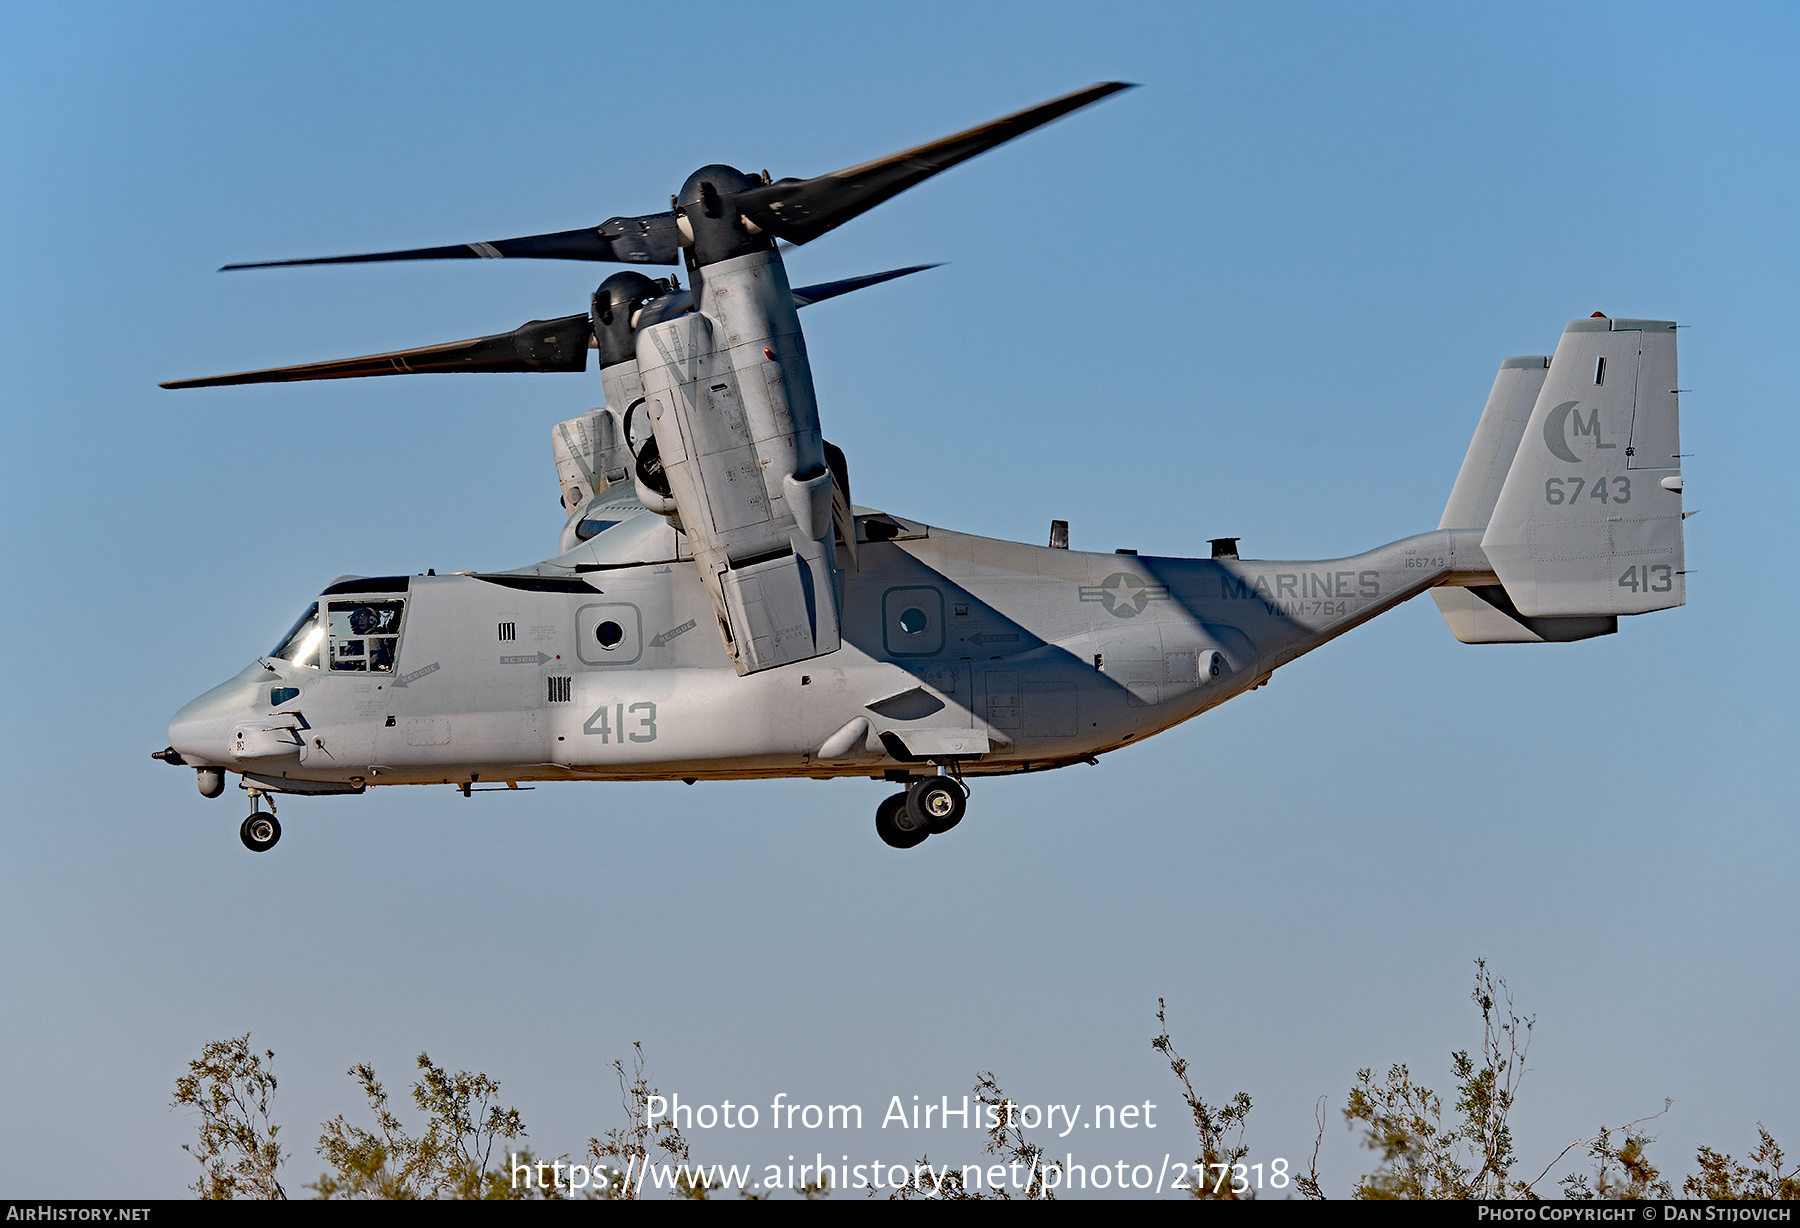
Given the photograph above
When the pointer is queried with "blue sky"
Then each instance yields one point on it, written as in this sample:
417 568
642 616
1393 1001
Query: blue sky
1263 296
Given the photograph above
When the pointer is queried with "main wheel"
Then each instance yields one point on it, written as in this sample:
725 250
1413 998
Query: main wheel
896 826
260 832
939 801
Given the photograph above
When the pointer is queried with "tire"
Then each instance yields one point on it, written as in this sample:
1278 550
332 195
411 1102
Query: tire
939 800
259 832
896 826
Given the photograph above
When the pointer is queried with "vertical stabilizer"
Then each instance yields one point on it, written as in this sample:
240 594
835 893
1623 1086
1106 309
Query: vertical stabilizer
1496 441
1589 518
1484 615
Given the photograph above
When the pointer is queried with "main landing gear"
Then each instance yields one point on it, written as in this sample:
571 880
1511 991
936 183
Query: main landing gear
930 806
260 831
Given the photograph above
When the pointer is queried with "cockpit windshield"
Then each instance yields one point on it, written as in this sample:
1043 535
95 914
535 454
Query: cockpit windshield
365 635
301 644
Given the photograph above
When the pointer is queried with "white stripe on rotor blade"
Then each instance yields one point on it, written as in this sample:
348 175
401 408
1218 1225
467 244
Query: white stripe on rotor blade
486 251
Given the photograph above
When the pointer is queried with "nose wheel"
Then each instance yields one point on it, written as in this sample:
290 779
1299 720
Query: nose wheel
260 831
927 808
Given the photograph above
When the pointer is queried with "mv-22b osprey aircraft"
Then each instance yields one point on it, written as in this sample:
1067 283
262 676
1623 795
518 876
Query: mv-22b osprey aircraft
719 608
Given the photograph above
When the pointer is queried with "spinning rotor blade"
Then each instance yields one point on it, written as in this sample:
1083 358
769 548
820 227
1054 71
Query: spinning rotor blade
806 296
651 239
541 345
800 210
795 210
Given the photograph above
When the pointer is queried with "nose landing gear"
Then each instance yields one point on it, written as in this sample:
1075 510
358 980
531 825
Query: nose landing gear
929 806
260 831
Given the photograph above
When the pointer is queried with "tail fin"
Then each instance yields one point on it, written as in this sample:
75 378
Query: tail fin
1483 614
1588 522
1496 441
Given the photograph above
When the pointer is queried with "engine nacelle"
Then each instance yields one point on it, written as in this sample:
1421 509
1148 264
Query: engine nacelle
590 455
730 397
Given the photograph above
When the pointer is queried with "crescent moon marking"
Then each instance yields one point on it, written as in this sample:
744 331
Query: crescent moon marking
1555 427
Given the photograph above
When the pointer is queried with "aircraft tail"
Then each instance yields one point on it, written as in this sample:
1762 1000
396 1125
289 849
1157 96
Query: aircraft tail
1574 478
1496 442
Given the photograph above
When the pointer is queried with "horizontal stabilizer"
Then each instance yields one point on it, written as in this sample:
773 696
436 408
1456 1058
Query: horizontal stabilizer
1486 615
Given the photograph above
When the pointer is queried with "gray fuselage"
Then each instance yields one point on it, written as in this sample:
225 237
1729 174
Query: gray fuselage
992 655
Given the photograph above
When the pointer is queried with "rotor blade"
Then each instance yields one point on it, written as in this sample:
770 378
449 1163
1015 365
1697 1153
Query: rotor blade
670 306
806 296
800 210
541 345
651 239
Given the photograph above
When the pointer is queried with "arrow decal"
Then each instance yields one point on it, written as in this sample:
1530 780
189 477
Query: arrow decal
537 658
406 680
671 633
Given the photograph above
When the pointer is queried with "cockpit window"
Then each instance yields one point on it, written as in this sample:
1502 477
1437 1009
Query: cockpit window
301 644
365 635
592 528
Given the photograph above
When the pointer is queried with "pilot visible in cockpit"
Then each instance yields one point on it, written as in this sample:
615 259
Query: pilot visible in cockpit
370 622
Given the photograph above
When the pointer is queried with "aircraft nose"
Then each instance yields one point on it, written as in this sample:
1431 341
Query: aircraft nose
199 730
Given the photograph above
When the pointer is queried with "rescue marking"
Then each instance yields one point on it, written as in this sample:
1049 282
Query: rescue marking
405 680
664 637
